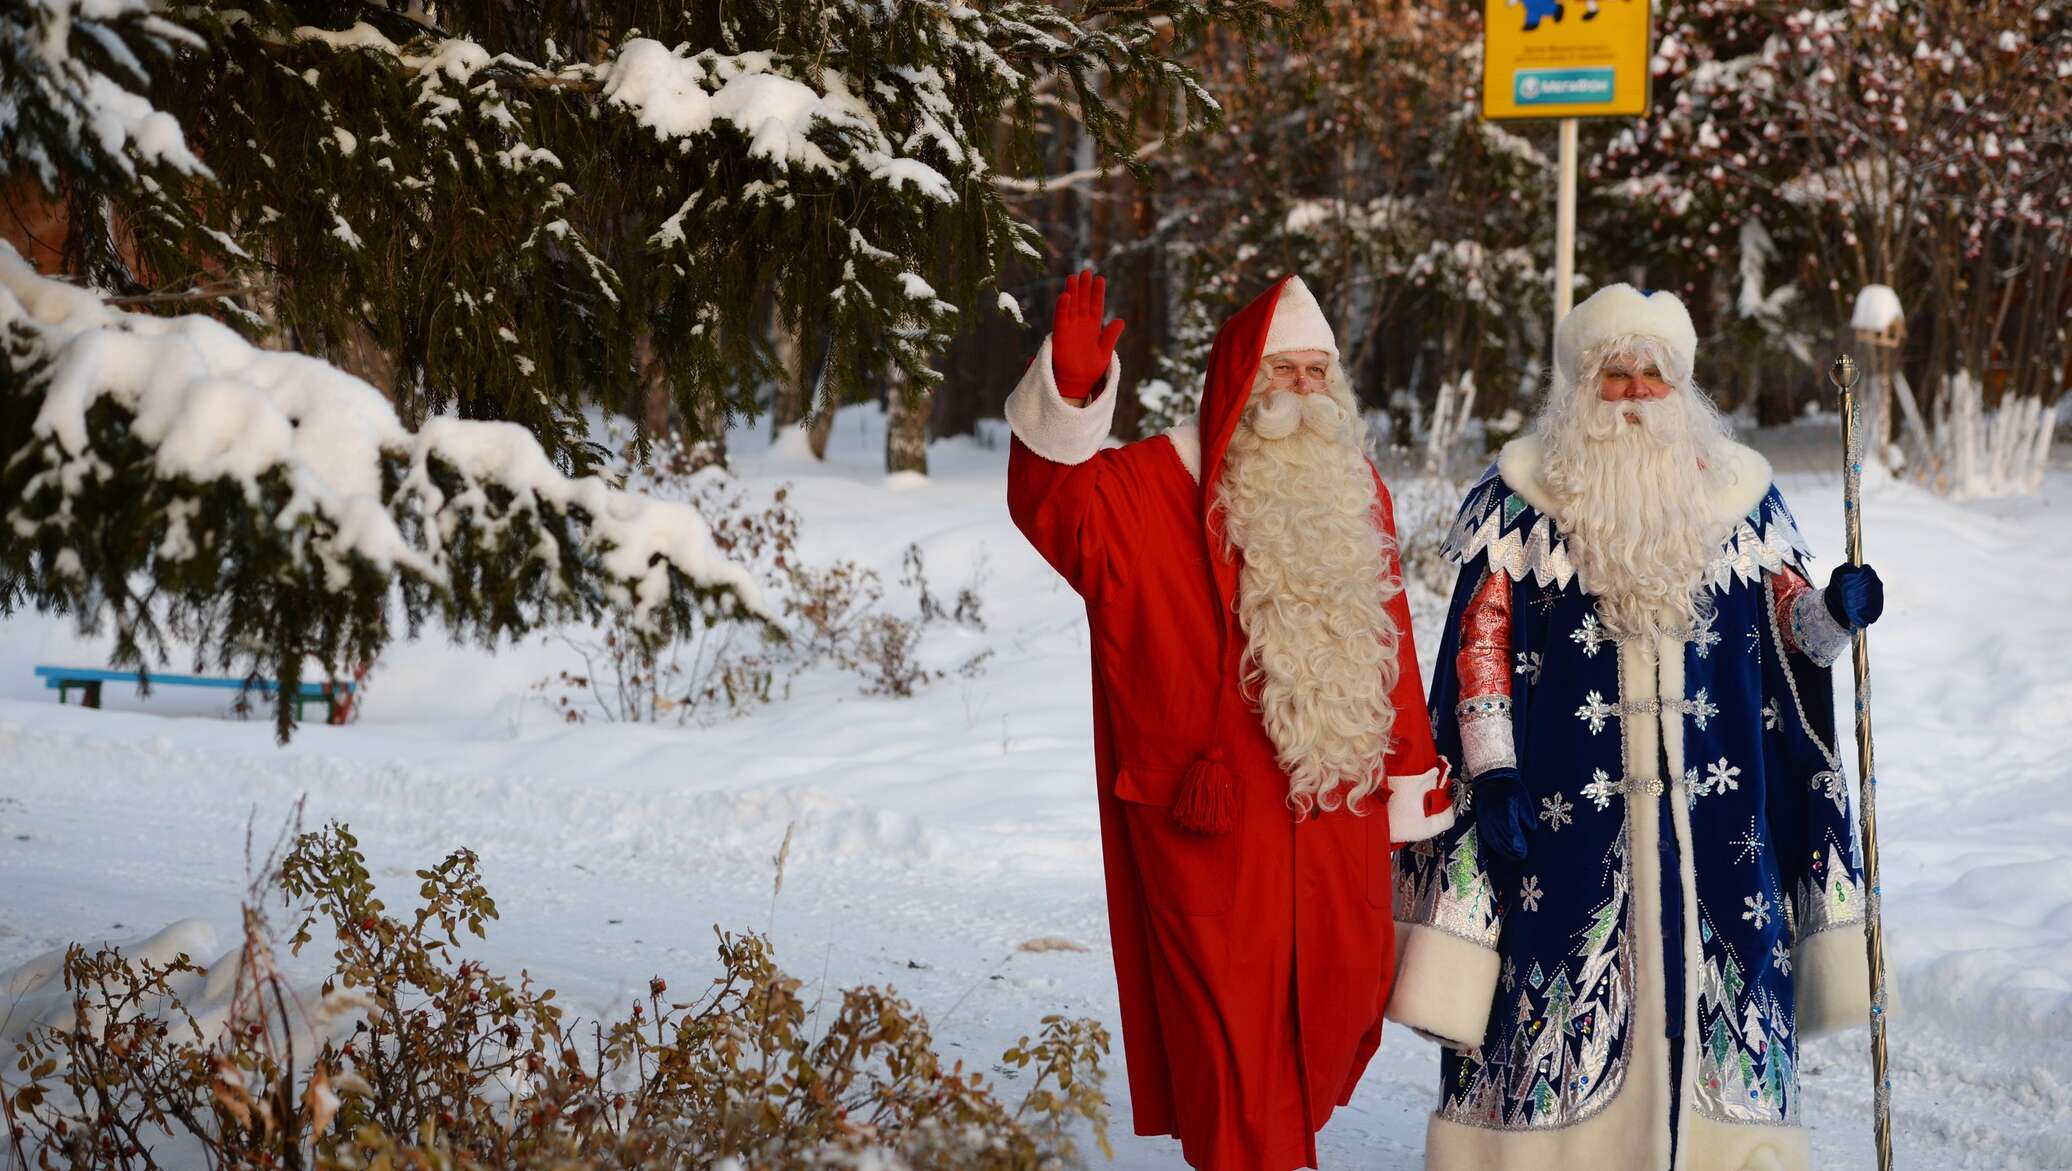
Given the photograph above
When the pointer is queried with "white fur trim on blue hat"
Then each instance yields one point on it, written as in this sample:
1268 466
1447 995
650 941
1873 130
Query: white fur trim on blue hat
1621 309
1298 323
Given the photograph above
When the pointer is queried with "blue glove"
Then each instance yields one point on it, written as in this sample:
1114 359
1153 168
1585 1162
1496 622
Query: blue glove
1503 812
1855 596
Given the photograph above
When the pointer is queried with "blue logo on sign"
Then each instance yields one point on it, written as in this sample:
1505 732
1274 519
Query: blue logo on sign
1547 87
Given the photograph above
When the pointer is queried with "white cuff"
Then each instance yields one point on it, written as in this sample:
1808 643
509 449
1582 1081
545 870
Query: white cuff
1831 973
1053 428
1819 637
1486 741
1444 985
1408 821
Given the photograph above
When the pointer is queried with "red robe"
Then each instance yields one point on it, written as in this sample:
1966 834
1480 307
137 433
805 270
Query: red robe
1252 965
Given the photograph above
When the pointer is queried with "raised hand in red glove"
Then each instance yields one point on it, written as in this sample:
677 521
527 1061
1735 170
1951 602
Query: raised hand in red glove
1080 347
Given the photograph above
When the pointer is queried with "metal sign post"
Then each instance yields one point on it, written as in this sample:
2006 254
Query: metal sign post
1580 59
1565 224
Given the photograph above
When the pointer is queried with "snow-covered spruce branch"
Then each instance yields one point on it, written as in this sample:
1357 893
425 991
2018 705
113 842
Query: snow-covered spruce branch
515 218
66 103
166 476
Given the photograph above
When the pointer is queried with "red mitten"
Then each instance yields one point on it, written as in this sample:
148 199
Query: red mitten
1080 347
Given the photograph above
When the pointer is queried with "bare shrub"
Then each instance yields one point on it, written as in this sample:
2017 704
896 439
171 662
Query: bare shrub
416 1056
835 614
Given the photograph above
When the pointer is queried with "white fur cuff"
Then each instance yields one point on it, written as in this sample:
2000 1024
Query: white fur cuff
1408 821
1054 428
1444 985
1831 974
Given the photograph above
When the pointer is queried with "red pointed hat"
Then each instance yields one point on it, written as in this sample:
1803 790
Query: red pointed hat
1284 317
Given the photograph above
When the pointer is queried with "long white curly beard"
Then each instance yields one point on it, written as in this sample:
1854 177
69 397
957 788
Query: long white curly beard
1635 501
1297 498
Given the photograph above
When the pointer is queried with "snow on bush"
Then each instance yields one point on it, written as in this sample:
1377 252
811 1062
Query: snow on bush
166 473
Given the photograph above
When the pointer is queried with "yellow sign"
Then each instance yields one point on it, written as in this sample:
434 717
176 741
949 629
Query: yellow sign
1565 58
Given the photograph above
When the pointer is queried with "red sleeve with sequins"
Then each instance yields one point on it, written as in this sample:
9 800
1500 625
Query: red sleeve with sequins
1484 667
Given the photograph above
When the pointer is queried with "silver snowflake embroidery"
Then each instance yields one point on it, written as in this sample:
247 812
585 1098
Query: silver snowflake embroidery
1758 911
1596 711
1510 973
1719 776
1770 716
1600 789
1780 957
1694 788
1590 635
1704 637
1751 845
1529 664
1556 812
1529 894
1701 709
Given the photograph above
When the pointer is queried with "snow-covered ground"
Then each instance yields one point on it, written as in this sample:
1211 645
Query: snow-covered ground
935 834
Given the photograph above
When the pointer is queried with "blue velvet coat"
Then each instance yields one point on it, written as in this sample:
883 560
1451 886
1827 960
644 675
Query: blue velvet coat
1700 777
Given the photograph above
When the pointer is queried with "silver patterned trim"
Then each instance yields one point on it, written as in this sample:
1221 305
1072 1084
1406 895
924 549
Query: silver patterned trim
1818 635
1480 528
1611 1076
1447 890
1765 540
1749 553
1827 903
1484 706
1702 708
1486 741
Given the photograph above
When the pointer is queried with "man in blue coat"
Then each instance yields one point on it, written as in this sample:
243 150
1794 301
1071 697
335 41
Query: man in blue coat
1653 888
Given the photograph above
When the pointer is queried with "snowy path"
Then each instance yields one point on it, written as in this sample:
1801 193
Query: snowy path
934 834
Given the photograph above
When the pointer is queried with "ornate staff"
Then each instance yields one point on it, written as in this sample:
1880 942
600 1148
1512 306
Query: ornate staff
1843 374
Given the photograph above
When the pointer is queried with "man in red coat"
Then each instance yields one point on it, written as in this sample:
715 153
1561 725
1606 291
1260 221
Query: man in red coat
1260 730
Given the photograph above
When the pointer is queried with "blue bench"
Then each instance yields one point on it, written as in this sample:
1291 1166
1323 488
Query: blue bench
336 695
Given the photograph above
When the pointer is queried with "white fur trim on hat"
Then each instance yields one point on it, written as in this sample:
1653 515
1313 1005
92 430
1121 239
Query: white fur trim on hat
1622 309
1298 323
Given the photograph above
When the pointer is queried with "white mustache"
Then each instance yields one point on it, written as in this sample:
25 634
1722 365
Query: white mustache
1280 413
1662 421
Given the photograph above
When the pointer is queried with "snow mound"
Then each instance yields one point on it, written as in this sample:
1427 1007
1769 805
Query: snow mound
33 996
1877 307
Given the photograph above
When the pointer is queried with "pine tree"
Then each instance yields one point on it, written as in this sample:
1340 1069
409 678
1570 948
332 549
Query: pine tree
505 212
508 199
268 509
